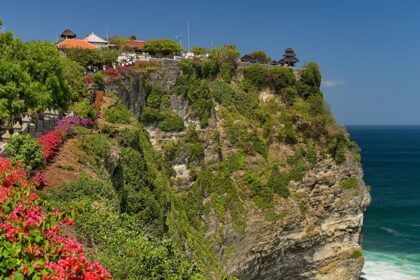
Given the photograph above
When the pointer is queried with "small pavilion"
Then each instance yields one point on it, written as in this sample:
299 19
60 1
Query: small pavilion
68 34
289 58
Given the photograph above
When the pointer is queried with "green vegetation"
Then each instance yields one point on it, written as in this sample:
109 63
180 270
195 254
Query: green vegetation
92 57
350 183
277 78
84 110
137 223
171 121
225 57
167 120
260 57
26 150
162 47
357 253
199 50
237 161
118 114
34 77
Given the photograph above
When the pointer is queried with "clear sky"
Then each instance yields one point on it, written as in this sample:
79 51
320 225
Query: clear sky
368 50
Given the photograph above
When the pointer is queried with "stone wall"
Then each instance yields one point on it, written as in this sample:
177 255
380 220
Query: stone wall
34 125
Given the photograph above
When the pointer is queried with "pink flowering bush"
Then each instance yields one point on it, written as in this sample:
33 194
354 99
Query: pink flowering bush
52 141
50 144
117 72
31 243
88 80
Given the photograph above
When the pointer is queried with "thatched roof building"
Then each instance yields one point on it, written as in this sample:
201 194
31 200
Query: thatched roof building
247 58
68 34
289 58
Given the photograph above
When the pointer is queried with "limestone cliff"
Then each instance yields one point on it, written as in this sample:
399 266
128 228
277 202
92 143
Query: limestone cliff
267 186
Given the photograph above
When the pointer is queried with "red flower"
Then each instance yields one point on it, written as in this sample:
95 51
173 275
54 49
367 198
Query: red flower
22 221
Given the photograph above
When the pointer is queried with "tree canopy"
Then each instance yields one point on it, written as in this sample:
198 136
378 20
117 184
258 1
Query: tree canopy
260 57
93 57
162 47
310 81
199 50
33 76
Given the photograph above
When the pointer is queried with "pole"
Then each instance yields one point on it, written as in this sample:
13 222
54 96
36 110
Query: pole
107 32
188 34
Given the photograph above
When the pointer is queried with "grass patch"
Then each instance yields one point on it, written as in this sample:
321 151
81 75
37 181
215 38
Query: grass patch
350 183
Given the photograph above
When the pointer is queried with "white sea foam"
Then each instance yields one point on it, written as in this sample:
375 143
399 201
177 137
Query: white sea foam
384 266
393 232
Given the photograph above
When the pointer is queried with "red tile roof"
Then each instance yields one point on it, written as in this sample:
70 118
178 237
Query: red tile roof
136 44
75 43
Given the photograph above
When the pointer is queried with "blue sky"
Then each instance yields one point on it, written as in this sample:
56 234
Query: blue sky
368 50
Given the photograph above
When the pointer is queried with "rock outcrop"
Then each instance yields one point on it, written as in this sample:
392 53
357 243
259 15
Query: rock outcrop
314 233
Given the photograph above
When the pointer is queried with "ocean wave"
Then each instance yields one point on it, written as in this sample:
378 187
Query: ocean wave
393 232
387 266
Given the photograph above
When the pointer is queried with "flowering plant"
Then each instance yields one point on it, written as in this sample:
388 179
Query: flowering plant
99 98
117 72
88 80
31 242
50 143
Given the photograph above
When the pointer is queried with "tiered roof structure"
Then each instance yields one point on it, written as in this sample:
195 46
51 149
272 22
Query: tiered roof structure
289 58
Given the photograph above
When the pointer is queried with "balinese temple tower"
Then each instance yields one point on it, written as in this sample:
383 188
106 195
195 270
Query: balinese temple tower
289 58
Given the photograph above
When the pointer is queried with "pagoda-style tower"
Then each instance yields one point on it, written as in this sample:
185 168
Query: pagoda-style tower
289 58
68 34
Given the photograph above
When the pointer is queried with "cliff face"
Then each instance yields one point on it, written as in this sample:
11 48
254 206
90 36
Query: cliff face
258 199
320 242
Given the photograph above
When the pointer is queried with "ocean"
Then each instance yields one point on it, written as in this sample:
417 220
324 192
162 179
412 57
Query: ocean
391 164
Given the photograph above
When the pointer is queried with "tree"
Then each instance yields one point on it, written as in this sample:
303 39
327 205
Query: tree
162 47
260 57
33 76
94 57
199 50
225 57
310 80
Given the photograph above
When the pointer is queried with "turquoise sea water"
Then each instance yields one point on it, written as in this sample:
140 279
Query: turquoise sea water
391 163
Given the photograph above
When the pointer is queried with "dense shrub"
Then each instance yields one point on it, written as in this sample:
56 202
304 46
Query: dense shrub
84 110
287 134
279 183
260 57
122 243
50 143
26 150
310 80
92 57
150 115
206 69
118 114
261 194
257 75
225 57
280 78
337 147
31 241
195 151
249 141
171 121
237 161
